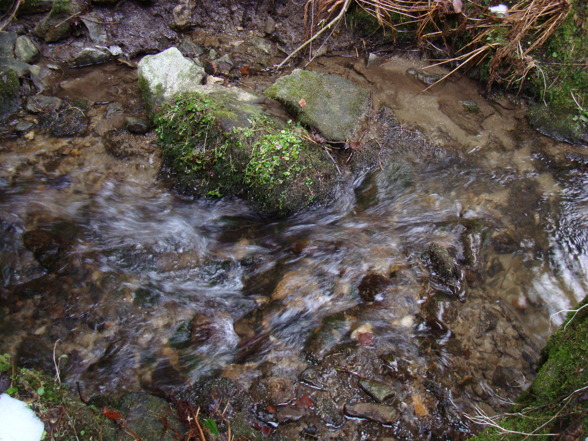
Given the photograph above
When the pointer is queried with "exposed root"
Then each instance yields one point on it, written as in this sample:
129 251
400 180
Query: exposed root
507 40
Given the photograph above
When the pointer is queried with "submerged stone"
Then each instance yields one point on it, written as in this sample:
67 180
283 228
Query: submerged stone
328 102
89 56
375 412
377 390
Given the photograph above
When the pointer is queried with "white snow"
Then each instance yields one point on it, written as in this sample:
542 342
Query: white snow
17 421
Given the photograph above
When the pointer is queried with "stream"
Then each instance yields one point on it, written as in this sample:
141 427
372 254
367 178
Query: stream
123 285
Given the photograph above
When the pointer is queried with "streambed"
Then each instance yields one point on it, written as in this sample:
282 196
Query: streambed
134 288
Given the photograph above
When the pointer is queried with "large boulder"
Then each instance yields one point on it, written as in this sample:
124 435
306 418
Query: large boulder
164 75
220 141
9 93
328 102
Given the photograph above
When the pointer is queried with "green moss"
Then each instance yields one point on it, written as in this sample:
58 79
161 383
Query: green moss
218 147
556 401
65 417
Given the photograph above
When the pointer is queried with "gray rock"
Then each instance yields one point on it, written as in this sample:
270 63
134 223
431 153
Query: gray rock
7 42
40 75
9 93
190 49
375 412
290 413
443 263
90 56
21 68
96 31
59 22
330 103
25 50
166 74
182 15
145 415
114 109
377 390
24 126
137 126
43 104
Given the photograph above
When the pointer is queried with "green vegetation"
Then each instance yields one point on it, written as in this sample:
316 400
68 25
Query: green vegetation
556 401
217 147
65 418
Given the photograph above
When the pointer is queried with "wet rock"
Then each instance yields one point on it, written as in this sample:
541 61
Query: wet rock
9 93
137 126
96 30
190 49
443 264
35 7
49 250
290 413
40 76
471 106
21 68
89 56
24 126
69 121
375 412
504 243
330 103
372 284
166 74
149 417
313 378
487 322
43 104
7 44
114 109
25 50
35 353
424 76
59 23
5 383
331 332
377 390
275 390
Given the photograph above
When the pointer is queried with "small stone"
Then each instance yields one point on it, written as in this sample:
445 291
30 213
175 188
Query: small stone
69 122
90 56
443 263
25 50
182 14
114 109
377 390
20 67
7 43
136 126
270 26
96 31
43 104
290 413
375 412
24 126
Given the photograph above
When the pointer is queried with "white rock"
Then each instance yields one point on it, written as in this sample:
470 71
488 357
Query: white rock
17 421
166 74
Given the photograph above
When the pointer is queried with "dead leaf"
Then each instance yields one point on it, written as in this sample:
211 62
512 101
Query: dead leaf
111 414
457 5
302 102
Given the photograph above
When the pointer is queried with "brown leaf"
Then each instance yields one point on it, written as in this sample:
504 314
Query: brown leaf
245 70
111 414
419 407
302 102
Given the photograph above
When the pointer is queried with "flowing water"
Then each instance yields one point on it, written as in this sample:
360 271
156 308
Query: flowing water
125 285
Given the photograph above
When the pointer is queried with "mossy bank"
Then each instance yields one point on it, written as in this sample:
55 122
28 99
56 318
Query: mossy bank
557 401
217 146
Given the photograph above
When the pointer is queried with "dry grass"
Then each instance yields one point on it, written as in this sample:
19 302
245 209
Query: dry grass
507 41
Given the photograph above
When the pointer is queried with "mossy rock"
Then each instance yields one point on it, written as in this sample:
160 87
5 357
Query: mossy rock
65 417
556 401
9 93
221 143
58 24
328 102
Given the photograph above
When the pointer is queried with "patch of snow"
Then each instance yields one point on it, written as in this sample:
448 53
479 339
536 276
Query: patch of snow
17 421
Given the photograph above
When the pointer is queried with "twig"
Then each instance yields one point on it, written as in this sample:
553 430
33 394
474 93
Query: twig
56 363
319 33
10 14
332 159
575 311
